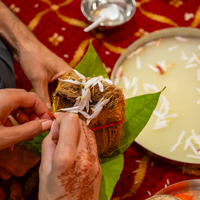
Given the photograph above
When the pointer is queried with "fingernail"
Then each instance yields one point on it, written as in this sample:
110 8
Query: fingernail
52 124
48 105
46 125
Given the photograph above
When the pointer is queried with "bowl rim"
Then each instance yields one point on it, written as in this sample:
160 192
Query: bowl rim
165 195
102 24
187 185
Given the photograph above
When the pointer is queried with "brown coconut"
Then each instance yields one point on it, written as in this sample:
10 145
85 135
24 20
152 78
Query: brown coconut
107 138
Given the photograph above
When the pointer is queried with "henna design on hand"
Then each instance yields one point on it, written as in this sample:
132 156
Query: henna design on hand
76 179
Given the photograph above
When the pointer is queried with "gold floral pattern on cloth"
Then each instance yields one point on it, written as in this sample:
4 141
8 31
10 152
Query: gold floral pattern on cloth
196 20
141 32
55 8
14 8
138 179
56 39
176 3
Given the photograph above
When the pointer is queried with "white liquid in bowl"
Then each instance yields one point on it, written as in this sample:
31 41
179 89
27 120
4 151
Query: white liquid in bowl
178 111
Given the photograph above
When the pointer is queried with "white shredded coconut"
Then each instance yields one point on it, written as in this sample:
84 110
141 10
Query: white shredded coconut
193 149
162 114
178 142
118 74
172 48
127 82
191 65
153 68
181 39
162 65
134 171
168 183
196 57
135 89
137 51
149 193
151 43
198 102
147 86
184 57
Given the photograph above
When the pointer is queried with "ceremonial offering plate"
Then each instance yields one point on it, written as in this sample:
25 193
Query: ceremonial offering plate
189 188
166 58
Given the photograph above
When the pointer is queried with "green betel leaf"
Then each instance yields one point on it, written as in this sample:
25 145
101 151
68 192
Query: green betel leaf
138 111
91 64
35 144
111 170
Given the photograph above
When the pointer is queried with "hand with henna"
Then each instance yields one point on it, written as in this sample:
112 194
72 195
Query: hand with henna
70 166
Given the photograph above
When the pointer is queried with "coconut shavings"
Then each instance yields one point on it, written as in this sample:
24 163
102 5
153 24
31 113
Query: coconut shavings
178 142
172 48
193 142
149 193
119 74
162 114
181 39
184 57
153 68
151 43
191 65
147 87
137 51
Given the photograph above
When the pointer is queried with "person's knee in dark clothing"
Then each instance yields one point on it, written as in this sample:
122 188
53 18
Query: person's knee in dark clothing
7 72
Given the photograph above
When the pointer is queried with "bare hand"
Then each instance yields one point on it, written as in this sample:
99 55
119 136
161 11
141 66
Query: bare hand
70 167
41 66
28 110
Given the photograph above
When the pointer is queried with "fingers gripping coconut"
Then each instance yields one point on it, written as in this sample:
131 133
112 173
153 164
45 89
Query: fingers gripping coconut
99 103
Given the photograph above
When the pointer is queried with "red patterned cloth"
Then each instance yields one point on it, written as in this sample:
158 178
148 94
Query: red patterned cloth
59 25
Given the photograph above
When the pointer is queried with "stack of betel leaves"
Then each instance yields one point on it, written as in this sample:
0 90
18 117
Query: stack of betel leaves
116 122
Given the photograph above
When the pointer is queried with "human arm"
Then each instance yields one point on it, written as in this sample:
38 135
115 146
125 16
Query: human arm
28 110
70 167
40 65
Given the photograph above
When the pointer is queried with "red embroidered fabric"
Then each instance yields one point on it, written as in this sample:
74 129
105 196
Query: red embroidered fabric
67 21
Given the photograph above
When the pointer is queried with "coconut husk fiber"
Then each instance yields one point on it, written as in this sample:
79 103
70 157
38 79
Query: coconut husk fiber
107 138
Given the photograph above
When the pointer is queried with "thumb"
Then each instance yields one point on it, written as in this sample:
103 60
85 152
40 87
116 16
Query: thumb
43 92
48 148
16 134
